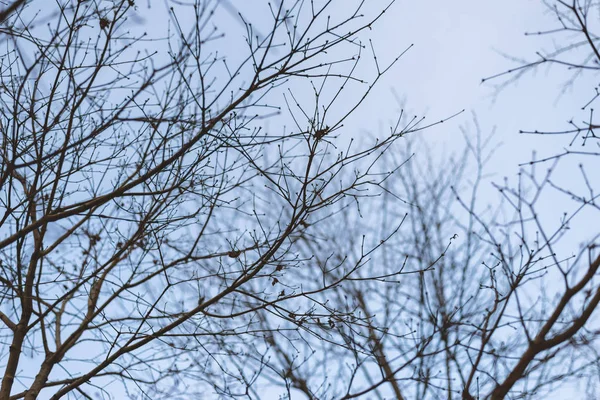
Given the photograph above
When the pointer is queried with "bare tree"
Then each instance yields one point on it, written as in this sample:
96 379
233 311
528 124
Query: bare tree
164 233
10 8
472 298
482 299
149 217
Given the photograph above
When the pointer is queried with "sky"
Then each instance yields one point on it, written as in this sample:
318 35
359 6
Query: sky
458 43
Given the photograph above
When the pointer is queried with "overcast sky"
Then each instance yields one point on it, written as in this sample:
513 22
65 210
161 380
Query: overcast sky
458 43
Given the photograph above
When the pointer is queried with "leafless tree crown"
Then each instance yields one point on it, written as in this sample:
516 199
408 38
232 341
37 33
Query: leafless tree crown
186 210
